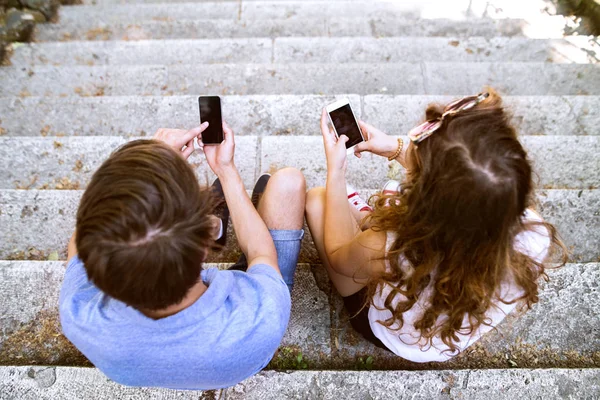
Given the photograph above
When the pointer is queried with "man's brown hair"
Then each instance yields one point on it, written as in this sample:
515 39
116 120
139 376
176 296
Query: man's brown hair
144 226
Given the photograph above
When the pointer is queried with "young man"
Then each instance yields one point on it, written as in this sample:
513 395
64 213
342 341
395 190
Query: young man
135 298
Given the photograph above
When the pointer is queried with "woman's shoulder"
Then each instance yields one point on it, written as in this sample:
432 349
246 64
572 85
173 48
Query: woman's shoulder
535 240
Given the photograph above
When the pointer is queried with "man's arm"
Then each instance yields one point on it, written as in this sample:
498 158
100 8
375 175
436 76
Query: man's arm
252 234
71 248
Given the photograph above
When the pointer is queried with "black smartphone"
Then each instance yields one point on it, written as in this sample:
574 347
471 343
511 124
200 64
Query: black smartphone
344 122
210 111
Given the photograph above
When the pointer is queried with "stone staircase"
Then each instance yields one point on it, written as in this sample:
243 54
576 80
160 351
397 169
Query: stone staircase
115 70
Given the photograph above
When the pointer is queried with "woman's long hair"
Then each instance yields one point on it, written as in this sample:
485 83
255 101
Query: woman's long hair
455 222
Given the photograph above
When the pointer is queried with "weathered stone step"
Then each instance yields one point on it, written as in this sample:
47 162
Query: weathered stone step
133 13
166 52
113 2
561 162
69 162
313 26
565 162
262 10
33 289
380 50
302 50
560 331
49 383
272 114
495 384
36 223
401 78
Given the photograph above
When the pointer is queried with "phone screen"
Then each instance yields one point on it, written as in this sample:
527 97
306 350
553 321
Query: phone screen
210 110
345 124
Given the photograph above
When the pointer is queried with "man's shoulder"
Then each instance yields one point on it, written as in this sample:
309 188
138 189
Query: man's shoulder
260 290
75 280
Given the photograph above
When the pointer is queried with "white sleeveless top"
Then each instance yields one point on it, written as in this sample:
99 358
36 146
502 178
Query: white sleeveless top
405 342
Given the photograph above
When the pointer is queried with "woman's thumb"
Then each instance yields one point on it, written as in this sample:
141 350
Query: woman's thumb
362 146
343 140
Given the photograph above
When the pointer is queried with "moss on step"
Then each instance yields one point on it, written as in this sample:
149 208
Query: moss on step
40 341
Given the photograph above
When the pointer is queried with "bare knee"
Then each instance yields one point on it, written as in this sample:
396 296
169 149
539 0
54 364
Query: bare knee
289 182
315 200
282 206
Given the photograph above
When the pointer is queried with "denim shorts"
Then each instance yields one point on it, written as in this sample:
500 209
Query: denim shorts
287 245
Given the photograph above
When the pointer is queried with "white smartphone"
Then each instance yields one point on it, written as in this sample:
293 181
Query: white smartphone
344 122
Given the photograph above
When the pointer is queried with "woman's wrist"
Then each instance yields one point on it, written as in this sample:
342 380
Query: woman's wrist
401 155
390 147
398 149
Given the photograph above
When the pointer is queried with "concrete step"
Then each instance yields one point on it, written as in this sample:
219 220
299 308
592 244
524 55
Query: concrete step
166 52
263 10
279 115
133 13
303 50
34 382
115 2
303 27
401 78
36 223
69 162
49 383
475 385
564 162
577 168
560 331
309 325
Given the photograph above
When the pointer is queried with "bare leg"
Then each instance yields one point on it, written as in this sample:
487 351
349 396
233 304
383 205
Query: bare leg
315 213
282 209
282 204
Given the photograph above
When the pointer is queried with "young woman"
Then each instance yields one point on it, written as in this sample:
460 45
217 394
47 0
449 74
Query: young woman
442 258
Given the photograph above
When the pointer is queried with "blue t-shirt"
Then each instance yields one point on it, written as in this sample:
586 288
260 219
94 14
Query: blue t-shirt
229 334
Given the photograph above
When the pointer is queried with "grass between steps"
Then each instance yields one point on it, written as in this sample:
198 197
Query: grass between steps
40 342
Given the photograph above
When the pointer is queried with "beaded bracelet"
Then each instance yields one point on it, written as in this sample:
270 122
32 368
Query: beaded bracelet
399 151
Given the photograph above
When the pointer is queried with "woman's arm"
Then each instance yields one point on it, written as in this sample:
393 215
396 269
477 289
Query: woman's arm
381 144
348 250
362 257
340 225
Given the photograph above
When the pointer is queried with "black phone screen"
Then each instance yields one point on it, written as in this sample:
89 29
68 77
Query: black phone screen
345 124
210 110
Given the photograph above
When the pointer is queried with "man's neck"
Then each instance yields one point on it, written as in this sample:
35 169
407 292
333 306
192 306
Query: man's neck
193 294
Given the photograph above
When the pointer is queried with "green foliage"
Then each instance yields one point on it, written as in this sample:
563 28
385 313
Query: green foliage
365 364
299 363
587 10
288 358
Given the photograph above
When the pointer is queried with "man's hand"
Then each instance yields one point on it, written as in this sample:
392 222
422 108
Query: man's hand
377 142
220 156
335 149
180 140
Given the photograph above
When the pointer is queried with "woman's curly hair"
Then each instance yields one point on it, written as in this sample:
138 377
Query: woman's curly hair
455 221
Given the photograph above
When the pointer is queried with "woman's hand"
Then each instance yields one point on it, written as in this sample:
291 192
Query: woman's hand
377 142
220 156
180 140
335 149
